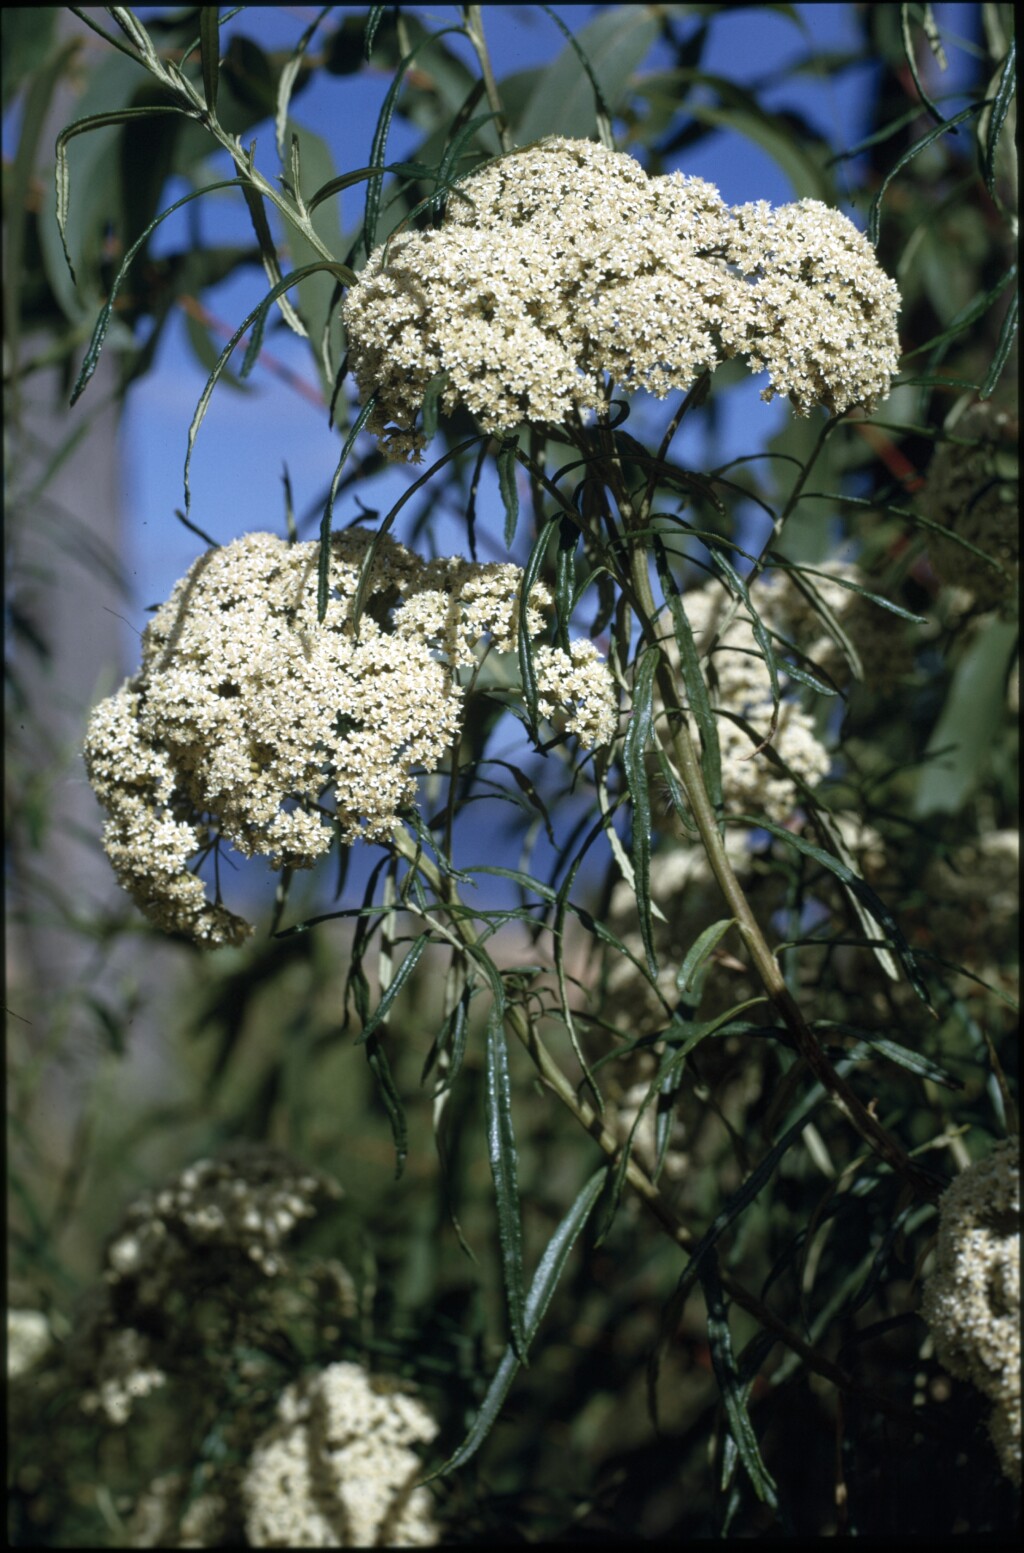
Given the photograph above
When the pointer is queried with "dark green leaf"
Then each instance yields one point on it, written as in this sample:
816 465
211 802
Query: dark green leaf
699 950
324 562
95 346
501 1145
209 40
638 736
545 1281
693 679
62 176
391 1100
1006 92
732 1388
395 986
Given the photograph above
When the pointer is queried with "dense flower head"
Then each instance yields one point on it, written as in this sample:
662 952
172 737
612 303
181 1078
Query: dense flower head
972 1298
248 714
740 685
219 1221
563 265
337 1469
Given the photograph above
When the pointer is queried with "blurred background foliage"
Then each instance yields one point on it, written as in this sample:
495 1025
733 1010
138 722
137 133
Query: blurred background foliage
128 1069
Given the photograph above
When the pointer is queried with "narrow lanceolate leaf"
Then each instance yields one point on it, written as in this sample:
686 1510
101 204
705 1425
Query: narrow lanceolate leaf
524 642
380 137
864 893
545 1281
638 736
1006 91
395 986
693 679
373 21
289 75
324 565
258 314
734 1391
92 354
875 213
209 44
1004 345
268 256
699 951
61 172
501 1146
391 1100
337 185
872 928
506 462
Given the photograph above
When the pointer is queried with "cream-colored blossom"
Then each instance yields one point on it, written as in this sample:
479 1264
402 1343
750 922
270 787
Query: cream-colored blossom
337 1469
563 265
740 684
824 312
972 1298
252 723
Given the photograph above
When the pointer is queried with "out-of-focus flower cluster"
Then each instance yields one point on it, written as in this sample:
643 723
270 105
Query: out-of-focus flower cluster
972 1298
28 1339
337 1469
224 1218
564 263
973 490
247 713
740 684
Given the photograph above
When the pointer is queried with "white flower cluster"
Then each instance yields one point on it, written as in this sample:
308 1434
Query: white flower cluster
245 1204
337 1469
973 490
740 683
28 1339
972 1298
241 1208
247 712
564 263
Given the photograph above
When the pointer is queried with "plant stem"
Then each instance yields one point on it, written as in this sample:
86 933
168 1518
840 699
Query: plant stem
475 33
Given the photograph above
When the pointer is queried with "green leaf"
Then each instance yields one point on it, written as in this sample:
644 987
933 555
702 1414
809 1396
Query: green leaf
506 462
380 136
875 213
638 736
699 951
95 346
288 77
345 181
875 905
61 172
545 1281
209 39
693 679
1006 92
390 1099
1004 346
395 986
258 315
567 93
501 1147
734 1392
974 711
524 642
373 20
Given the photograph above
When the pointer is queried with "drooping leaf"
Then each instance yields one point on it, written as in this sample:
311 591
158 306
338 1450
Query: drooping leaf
501 1148
545 1281
638 735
